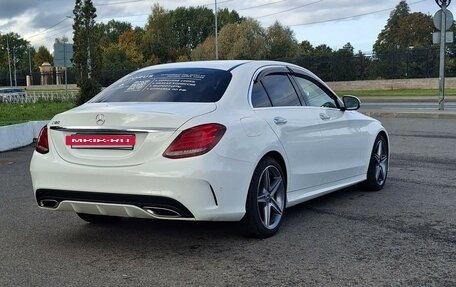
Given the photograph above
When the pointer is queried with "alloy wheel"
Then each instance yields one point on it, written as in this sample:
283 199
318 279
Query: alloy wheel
381 162
271 197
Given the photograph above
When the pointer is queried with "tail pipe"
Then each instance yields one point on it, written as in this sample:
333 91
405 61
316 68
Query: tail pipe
49 203
162 212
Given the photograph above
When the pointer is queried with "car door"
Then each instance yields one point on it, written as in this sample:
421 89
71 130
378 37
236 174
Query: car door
275 99
344 134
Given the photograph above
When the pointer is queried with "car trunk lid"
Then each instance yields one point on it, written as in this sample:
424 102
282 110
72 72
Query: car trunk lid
119 134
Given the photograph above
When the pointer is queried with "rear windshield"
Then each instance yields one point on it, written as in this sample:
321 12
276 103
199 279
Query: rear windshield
168 85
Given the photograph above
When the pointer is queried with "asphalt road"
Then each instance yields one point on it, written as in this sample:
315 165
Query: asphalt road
404 235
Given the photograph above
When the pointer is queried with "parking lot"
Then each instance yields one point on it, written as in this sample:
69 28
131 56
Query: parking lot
404 235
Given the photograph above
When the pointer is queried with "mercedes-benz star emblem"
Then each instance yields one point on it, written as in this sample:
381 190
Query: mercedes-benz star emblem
100 119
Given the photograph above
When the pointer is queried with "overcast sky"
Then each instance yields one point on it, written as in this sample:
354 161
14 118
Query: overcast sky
331 22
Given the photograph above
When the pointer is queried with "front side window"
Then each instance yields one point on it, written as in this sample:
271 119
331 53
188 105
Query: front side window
168 85
315 96
280 90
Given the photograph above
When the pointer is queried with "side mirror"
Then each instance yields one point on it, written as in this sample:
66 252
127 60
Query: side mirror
351 103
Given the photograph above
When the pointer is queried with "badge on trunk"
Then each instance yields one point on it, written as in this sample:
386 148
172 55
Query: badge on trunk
100 119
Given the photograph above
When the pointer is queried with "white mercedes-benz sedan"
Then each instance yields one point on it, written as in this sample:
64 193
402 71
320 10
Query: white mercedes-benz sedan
212 141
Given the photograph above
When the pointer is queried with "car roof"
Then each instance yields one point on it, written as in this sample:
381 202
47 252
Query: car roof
215 64
226 65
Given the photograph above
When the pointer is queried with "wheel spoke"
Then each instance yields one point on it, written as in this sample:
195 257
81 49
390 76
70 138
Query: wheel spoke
381 175
383 166
377 158
276 185
380 149
266 180
275 206
261 198
267 215
377 172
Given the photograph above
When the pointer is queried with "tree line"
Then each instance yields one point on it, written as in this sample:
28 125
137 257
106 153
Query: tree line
403 48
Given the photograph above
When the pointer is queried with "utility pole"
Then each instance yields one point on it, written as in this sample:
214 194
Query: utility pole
30 61
442 58
64 64
444 15
216 31
14 65
9 60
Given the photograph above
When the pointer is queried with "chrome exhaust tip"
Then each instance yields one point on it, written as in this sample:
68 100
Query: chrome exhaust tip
162 212
49 203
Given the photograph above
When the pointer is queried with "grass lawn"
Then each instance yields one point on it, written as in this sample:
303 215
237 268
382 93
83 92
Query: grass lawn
20 113
397 93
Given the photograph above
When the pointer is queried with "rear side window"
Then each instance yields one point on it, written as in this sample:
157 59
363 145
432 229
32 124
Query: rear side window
280 90
168 85
259 97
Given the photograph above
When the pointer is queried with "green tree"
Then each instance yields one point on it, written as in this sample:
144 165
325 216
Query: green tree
343 64
192 26
128 42
18 52
281 42
246 40
111 31
387 39
400 49
414 30
158 40
87 52
225 16
305 48
362 66
173 35
205 50
41 56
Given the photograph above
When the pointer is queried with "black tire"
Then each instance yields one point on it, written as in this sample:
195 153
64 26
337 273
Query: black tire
266 200
99 219
378 165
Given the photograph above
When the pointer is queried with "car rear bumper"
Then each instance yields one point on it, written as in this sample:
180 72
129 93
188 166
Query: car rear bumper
168 189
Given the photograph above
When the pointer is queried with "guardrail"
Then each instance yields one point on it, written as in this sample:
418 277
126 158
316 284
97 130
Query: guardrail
35 96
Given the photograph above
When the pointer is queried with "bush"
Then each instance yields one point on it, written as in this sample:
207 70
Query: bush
88 88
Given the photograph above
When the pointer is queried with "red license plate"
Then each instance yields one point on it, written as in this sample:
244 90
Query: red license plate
100 141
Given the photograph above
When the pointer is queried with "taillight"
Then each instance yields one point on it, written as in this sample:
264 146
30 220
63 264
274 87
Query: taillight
195 141
42 145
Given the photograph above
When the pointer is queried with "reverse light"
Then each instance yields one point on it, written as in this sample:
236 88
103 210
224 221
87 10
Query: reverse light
42 145
195 141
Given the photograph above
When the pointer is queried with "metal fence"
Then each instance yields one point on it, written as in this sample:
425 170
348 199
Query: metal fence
39 96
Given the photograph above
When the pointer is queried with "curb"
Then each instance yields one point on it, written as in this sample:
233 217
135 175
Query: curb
405 99
419 115
19 135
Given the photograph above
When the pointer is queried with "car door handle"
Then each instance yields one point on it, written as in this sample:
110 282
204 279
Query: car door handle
280 121
324 117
